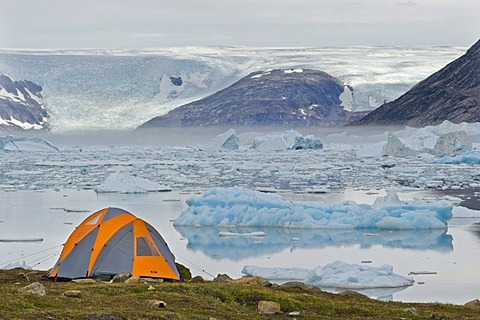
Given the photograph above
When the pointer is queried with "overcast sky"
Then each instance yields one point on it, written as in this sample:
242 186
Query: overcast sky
163 23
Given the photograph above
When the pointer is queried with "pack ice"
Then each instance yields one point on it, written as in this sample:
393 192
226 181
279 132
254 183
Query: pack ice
241 207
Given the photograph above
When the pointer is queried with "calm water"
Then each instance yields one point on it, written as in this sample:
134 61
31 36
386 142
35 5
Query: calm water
454 254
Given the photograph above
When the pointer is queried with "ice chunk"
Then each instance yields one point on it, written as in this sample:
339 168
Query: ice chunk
289 140
237 206
236 234
337 275
124 183
12 143
452 144
225 141
396 148
472 157
17 264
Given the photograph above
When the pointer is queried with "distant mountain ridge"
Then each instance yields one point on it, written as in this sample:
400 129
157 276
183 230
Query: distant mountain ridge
292 97
452 93
21 105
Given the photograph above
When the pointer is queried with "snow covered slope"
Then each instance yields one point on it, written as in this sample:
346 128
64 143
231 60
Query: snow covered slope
121 89
21 105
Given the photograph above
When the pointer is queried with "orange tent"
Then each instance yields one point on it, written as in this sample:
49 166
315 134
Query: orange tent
112 241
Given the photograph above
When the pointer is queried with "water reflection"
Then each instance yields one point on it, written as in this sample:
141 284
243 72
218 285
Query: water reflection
206 240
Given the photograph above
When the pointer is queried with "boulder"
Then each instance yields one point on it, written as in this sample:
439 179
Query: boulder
72 294
452 144
155 304
474 303
296 285
268 307
34 288
121 277
85 280
197 279
222 278
252 281
133 280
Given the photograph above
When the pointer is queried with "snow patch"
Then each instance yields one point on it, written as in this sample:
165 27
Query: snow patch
296 70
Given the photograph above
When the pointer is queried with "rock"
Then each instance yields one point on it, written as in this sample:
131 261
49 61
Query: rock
103 277
151 280
295 285
133 280
197 279
294 313
474 303
34 288
151 287
254 281
452 144
84 280
121 277
396 148
72 294
155 304
222 278
268 307
411 310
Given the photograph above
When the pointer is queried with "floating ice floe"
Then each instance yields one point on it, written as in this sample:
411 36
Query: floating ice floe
236 234
289 140
124 183
472 157
240 207
335 275
12 143
225 141
17 264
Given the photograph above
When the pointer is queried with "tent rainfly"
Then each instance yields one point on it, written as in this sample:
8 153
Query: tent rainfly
112 241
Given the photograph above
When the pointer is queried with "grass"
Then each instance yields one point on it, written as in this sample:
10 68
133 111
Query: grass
200 301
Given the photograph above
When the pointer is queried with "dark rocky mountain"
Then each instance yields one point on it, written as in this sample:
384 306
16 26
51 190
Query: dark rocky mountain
452 94
281 97
21 105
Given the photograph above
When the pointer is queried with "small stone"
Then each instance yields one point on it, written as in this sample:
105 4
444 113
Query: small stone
197 279
222 278
152 280
103 277
121 277
72 294
268 307
294 313
151 287
85 280
34 288
133 280
155 304
411 310
474 303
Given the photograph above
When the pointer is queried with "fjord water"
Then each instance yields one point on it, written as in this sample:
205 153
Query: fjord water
452 254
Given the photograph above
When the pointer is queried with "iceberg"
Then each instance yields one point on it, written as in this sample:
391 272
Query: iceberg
241 207
124 183
12 143
225 141
335 275
289 140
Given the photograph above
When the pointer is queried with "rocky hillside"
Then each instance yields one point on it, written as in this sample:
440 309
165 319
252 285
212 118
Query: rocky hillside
452 94
21 105
292 97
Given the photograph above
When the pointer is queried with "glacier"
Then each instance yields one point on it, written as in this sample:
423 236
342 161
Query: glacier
121 89
240 207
